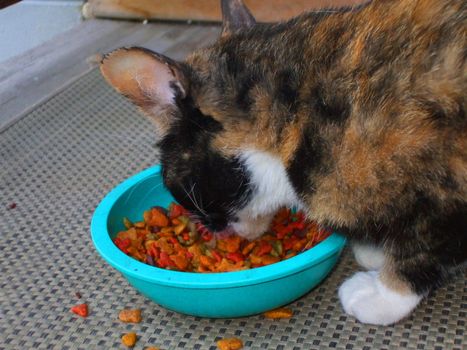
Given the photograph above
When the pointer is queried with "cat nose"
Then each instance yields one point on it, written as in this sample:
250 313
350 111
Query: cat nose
216 222
215 226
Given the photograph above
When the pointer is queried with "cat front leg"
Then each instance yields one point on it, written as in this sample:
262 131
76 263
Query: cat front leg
418 259
377 297
368 256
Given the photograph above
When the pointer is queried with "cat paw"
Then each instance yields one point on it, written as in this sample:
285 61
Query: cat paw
251 228
366 298
368 256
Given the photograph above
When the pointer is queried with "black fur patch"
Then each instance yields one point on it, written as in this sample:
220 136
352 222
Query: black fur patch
245 83
287 91
431 263
202 180
305 162
329 105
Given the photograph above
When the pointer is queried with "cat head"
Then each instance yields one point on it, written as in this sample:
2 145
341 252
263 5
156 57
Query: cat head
214 161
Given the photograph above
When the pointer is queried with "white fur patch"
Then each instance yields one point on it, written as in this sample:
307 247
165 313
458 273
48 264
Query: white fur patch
367 299
368 256
271 190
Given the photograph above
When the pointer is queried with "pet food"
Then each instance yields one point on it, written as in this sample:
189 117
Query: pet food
81 310
170 239
129 339
230 344
130 316
281 312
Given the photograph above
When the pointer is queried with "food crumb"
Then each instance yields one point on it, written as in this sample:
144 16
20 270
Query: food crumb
282 312
152 348
12 206
129 339
230 344
78 295
130 315
80 310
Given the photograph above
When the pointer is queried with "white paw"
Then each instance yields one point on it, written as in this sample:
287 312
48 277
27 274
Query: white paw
368 256
367 299
251 228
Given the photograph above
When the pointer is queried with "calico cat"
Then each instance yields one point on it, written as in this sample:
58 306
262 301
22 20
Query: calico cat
354 115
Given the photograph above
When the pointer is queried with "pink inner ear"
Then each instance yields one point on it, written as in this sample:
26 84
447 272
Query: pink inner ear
139 75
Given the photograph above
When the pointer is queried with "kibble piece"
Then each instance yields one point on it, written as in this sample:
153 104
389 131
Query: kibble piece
230 344
281 312
152 348
130 315
81 310
129 339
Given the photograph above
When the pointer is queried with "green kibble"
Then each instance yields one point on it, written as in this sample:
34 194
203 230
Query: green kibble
277 246
127 223
184 219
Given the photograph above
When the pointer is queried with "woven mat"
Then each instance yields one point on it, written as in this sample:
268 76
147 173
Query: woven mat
56 164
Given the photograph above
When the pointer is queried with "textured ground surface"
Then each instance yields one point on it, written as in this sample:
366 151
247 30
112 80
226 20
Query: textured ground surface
56 164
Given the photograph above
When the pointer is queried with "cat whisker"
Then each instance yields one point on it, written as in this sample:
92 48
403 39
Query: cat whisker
192 198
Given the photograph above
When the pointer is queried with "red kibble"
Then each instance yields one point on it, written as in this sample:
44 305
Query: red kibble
80 310
12 206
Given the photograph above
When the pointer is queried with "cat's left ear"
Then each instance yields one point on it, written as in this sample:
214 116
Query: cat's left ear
235 17
152 81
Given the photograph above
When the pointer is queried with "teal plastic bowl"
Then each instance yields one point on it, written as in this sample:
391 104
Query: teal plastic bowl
217 295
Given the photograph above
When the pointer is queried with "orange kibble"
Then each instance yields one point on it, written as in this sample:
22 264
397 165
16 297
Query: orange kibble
165 245
132 234
152 348
248 248
298 246
129 339
230 244
269 259
226 266
130 315
230 344
234 244
206 261
180 260
156 217
140 224
282 312
176 222
256 260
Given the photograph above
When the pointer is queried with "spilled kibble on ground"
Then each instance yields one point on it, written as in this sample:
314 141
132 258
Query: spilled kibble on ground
282 312
130 315
129 339
230 344
80 310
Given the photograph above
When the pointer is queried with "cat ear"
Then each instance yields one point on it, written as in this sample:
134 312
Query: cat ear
151 80
235 17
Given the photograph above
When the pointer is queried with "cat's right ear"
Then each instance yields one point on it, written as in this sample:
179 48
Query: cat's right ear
152 81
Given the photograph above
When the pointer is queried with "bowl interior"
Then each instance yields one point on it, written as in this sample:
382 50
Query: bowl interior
144 194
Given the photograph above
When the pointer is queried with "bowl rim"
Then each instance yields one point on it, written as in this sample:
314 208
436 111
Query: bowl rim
194 280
